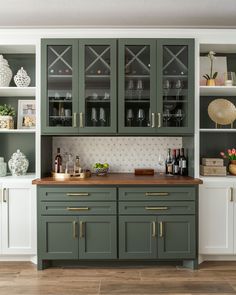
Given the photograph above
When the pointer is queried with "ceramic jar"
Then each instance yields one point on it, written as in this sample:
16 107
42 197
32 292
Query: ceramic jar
232 167
5 72
21 79
3 167
18 164
211 82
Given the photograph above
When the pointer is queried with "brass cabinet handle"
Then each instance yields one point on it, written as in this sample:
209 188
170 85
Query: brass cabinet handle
153 120
4 197
156 208
81 121
159 120
81 229
74 120
77 194
155 194
231 194
77 208
153 229
161 235
75 229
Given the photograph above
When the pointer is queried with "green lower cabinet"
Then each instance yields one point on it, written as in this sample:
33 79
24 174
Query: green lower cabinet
176 237
137 237
58 237
97 237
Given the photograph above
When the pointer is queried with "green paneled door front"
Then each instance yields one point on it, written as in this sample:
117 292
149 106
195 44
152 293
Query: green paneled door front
137 237
176 237
58 238
98 237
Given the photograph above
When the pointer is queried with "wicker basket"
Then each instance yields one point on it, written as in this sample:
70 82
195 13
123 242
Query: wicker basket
6 122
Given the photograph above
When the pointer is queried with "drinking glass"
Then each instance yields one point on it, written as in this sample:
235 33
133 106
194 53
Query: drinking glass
68 96
102 116
161 164
166 117
140 88
141 117
179 115
166 88
130 89
94 116
178 86
130 117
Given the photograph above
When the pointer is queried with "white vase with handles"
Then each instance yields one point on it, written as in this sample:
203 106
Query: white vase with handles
21 79
18 164
5 72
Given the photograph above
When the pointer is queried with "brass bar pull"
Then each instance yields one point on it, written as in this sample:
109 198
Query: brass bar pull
156 208
231 194
153 229
77 208
74 120
153 120
81 229
77 194
75 229
4 197
161 235
81 120
156 194
159 120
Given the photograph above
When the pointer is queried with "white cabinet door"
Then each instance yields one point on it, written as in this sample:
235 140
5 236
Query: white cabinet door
216 215
1 200
19 219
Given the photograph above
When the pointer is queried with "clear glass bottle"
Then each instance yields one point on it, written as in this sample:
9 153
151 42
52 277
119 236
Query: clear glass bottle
77 167
70 165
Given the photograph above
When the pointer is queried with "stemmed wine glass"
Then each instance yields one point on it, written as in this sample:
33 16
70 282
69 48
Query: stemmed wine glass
102 116
130 117
166 116
130 89
140 88
141 117
179 115
178 86
166 87
94 116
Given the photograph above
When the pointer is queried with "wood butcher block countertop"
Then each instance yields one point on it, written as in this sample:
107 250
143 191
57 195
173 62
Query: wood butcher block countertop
122 179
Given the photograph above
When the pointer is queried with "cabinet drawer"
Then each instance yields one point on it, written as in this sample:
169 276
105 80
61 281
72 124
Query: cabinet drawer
157 193
77 208
77 193
156 208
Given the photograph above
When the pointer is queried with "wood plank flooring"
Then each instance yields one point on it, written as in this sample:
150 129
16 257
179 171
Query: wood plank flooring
22 278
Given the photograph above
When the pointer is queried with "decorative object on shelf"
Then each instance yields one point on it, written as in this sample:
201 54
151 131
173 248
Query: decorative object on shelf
210 79
219 66
3 167
7 114
18 164
5 72
64 176
26 114
231 156
101 169
213 167
21 79
230 78
143 171
222 112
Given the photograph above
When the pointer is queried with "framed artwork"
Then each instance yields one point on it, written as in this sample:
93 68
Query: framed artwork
26 114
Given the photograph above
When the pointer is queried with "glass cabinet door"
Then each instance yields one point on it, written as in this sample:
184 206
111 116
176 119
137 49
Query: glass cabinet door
175 74
59 86
97 86
137 89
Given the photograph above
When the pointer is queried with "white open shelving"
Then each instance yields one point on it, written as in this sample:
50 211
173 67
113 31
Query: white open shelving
217 90
217 130
17 130
17 91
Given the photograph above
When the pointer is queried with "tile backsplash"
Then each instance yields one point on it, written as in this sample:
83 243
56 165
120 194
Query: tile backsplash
122 153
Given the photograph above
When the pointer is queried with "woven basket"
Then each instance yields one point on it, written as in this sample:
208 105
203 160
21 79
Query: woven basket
6 122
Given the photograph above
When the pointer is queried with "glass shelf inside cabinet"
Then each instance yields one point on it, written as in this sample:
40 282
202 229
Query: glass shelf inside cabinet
59 64
137 85
97 85
175 85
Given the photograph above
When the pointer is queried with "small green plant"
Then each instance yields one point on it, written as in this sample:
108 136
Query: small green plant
211 55
7 110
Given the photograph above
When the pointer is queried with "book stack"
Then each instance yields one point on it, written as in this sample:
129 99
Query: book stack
213 167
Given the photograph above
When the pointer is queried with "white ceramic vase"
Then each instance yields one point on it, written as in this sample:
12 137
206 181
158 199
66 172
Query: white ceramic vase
18 164
21 79
5 72
3 167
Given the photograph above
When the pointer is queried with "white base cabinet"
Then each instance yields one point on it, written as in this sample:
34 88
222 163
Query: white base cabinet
217 216
18 219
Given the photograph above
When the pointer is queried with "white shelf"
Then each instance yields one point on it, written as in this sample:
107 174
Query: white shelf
217 90
17 130
9 178
217 130
17 91
228 178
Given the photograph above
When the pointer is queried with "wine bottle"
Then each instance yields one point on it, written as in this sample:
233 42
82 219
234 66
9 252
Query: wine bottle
175 162
58 162
182 163
169 163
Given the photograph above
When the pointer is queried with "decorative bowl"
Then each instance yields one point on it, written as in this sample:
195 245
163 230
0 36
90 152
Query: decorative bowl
222 111
101 171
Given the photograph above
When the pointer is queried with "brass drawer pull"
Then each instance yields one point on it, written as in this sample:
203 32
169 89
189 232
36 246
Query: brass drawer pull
156 208
159 120
81 229
161 235
153 229
75 229
77 208
148 194
153 120
74 120
231 194
77 194
4 195
81 120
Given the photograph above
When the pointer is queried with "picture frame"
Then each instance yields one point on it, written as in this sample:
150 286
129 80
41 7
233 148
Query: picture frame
26 118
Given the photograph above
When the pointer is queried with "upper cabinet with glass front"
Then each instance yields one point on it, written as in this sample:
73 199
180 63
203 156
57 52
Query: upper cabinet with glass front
175 86
97 86
59 78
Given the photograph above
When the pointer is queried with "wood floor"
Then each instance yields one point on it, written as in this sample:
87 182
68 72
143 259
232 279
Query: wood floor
23 278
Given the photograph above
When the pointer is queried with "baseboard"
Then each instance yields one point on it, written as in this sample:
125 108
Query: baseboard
31 258
203 258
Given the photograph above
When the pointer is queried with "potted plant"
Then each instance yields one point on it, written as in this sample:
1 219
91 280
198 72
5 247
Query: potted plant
231 156
7 114
210 79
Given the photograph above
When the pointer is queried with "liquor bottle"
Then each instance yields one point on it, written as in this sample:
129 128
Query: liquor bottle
169 163
175 162
182 163
77 167
58 162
